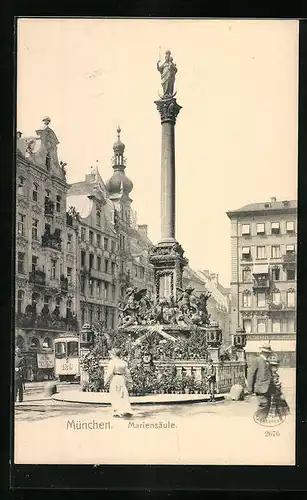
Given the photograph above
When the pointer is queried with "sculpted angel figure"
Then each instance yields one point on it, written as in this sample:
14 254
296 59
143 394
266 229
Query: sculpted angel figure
168 71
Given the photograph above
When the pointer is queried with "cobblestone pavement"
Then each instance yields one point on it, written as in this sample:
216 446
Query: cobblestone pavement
201 433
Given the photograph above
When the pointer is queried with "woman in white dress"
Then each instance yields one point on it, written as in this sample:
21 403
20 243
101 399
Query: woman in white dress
120 380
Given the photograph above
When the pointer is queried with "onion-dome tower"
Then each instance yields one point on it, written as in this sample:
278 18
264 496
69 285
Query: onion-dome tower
119 182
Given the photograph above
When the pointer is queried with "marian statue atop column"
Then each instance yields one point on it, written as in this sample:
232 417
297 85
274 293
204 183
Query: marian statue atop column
168 71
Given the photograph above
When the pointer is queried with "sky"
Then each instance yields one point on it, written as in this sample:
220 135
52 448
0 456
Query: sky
236 134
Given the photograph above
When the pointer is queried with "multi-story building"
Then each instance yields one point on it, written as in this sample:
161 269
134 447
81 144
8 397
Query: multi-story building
113 250
218 302
263 275
45 251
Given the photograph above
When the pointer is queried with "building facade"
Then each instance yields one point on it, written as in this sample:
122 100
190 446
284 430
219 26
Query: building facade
112 249
46 242
218 303
263 275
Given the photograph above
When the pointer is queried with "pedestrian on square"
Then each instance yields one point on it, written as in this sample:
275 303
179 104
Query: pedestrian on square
260 379
120 379
19 375
211 379
278 406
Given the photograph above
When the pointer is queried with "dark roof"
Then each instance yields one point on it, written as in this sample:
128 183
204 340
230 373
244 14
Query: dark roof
265 206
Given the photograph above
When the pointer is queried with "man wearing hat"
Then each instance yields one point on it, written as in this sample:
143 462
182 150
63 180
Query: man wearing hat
259 378
19 375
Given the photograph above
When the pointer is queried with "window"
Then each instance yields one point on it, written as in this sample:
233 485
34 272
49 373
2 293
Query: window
247 325
261 326
82 286
113 246
34 342
290 325
113 268
261 228
275 251
47 343
106 291
290 274
106 266
290 227
142 273
69 274
35 192
122 268
21 185
246 275
91 260
34 263
21 224
113 292
245 229
247 300
82 258
275 228
21 262
58 203
261 299
291 299
53 268
276 298
290 248
82 315
276 326
98 263
20 297
48 162
98 218
91 237
246 253
261 252
35 229
106 243
82 233
69 242
98 288
98 240
47 195
91 285
91 315
57 232
47 228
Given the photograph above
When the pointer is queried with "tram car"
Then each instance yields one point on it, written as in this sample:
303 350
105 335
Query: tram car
67 358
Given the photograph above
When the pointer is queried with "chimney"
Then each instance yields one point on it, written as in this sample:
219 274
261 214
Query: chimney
273 199
143 229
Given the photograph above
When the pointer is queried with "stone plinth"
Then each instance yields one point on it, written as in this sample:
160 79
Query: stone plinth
168 261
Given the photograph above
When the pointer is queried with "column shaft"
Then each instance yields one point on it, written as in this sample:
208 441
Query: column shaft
168 182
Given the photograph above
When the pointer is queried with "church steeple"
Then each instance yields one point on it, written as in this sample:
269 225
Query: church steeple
119 182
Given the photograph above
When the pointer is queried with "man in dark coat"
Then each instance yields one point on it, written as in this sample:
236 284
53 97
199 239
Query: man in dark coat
19 375
259 379
211 379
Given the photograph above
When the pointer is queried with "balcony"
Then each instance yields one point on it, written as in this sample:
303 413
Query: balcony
283 306
48 322
51 241
289 260
37 277
49 207
261 284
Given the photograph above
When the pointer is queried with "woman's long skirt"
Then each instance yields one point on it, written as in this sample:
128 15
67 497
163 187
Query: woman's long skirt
119 396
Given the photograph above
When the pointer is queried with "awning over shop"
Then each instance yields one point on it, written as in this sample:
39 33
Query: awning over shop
262 269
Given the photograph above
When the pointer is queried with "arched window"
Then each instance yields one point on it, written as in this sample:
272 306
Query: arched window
47 343
35 192
47 195
98 218
20 297
34 342
20 185
20 342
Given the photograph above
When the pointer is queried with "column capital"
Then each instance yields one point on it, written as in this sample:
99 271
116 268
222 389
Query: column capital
168 109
